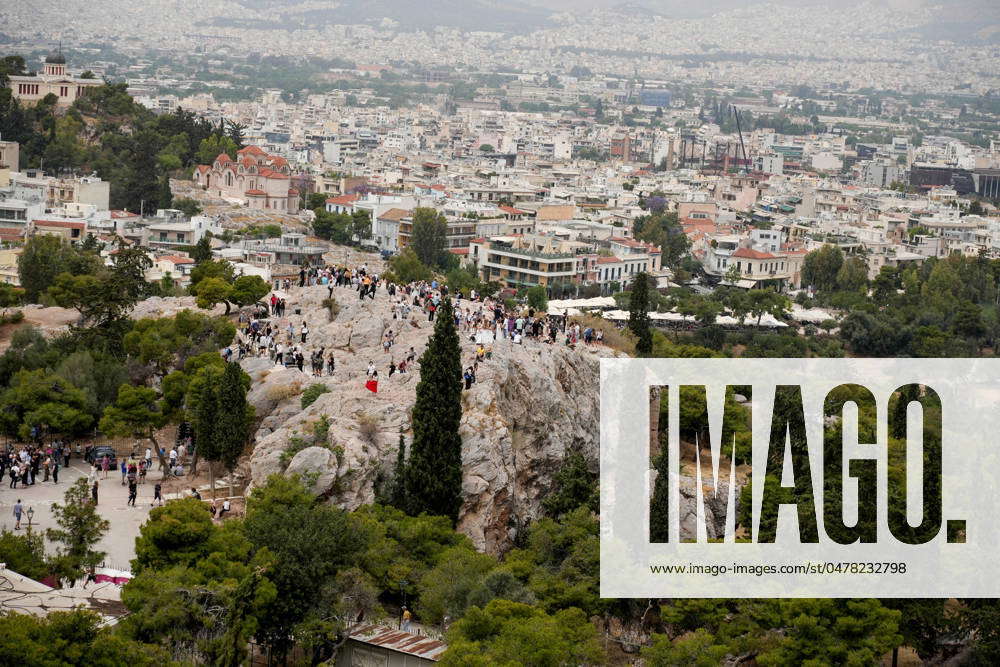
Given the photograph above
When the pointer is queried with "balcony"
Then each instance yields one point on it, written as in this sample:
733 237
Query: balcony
523 252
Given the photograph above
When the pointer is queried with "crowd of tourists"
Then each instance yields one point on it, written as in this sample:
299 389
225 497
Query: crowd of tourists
482 321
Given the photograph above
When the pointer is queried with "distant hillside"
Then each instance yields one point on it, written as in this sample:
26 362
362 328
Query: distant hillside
491 15
957 20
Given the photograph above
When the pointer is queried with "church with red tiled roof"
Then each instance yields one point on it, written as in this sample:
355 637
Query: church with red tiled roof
255 178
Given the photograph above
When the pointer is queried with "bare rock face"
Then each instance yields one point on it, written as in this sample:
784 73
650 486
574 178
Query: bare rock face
715 506
530 404
317 466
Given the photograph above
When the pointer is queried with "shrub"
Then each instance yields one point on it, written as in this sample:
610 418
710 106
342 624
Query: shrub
318 438
332 308
368 427
614 337
285 391
12 317
313 392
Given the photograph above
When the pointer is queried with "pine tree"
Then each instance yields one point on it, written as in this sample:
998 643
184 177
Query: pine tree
232 425
202 251
638 314
397 494
433 479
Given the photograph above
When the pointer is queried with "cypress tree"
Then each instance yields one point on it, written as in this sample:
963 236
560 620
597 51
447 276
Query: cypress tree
206 416
232 427
659 504
433 479
397 495
638 314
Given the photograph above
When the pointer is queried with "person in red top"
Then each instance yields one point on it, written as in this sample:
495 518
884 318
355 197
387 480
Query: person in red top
372 383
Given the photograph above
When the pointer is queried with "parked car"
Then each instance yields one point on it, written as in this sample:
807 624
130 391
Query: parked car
96 454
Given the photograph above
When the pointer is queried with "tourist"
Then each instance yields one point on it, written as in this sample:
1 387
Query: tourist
17 514
157 494
407 619
93 490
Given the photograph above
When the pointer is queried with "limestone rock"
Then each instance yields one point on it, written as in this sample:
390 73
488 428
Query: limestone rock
531 403
316 466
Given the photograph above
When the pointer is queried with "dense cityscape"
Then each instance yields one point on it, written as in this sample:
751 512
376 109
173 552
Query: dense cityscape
304 305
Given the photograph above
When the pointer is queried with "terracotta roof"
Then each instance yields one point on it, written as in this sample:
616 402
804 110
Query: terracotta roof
394 214
270 173
61 224
747 253
252 150
458 251
176 259
608 260
512 210
123 214
293 191
628 243
480 240
256 193
223 157
343 200
278 161
203 168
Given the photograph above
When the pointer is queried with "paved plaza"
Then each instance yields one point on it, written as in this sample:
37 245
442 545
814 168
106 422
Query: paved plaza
118 542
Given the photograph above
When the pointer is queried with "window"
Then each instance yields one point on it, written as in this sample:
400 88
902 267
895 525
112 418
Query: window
180 238
163 237
75 233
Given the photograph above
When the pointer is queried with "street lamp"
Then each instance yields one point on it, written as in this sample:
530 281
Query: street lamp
31 514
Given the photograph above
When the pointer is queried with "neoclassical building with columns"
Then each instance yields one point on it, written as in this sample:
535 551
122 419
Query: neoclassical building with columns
255 178
55 80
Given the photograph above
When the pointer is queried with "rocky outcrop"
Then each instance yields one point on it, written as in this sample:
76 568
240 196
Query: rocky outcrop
531 403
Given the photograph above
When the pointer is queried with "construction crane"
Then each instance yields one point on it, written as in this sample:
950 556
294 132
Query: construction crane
739 129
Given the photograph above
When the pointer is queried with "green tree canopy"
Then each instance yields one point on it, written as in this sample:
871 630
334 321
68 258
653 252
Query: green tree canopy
40 399
80 528
308 543
429 239
44 258
513 633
